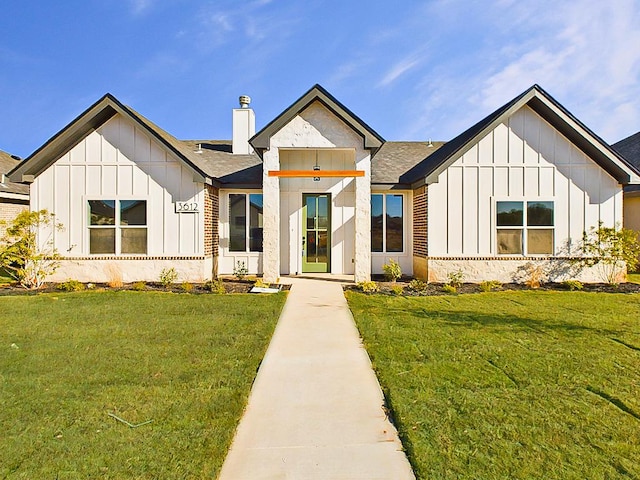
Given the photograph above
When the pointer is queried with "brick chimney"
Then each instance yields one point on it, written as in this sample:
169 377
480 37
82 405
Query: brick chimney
244 126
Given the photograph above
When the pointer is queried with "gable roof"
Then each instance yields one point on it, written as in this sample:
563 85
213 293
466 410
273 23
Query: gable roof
8 189
261 141
550 110
91 119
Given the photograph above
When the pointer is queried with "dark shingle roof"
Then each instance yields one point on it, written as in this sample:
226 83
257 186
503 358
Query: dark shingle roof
549 109
215 158
396 158
8 163
629 148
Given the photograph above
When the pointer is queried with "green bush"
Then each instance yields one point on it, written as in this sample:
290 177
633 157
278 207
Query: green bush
187 287
216 286
392 270
168 276
573 285
417 285
490 285
397 289
139 286
240 270
71 286
456 278
260 283
368 286
449 288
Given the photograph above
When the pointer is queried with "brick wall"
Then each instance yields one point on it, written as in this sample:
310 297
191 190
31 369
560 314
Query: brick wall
8 212
211 218
420 234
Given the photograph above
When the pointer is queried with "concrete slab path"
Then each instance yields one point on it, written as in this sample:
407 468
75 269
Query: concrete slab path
315 409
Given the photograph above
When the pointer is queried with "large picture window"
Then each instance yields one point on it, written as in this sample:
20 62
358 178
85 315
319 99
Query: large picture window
524 228
245 222
117 227
387 222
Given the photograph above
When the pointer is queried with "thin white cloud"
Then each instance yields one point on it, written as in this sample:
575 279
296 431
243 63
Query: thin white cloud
138 7
398 70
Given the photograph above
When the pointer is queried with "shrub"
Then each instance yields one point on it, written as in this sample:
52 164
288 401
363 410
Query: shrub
368 286
449 288
240 270
28 259
187 287
397 289
216 286
139 286
71 286
260 283
573 285
417 285
612 248
392 270
490 285
168 276
535 275
456 278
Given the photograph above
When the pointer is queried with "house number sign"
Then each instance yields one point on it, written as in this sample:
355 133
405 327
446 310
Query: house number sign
187 207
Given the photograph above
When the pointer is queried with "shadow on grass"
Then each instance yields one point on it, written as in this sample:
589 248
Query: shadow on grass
468 318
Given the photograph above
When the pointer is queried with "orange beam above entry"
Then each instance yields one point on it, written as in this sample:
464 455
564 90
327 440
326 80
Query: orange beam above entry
315 173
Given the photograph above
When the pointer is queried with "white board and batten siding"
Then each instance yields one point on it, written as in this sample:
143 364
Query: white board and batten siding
523 158
120 161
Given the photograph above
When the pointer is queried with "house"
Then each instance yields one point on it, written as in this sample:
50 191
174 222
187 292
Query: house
318 190
14 197
629 148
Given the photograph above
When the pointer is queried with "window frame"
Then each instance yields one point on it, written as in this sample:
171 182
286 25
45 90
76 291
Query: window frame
247 225
117 227
384 195
524 228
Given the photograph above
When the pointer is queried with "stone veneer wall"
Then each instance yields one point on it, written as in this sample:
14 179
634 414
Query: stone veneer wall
509 269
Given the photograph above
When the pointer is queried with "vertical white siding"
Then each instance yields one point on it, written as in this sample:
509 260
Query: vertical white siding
523 158
119 161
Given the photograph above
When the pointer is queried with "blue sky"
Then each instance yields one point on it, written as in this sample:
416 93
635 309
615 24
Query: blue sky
412 70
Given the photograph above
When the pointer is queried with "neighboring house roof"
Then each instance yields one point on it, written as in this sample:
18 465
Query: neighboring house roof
396 158
261 141
8 189
550 110
629 148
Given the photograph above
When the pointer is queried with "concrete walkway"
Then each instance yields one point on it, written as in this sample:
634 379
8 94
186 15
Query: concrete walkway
315 410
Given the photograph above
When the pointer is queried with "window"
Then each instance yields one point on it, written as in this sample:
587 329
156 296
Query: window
387 225
245 222
524 227
117 227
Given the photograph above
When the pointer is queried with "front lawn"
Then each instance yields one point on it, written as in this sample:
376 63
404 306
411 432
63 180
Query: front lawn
183 362
510 384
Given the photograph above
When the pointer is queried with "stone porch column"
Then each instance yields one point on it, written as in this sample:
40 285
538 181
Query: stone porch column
271 217
363 221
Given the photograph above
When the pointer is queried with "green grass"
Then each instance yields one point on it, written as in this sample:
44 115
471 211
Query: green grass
633 277
510 384
67 360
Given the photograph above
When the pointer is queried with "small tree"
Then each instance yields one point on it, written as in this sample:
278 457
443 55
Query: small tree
611 248
21 255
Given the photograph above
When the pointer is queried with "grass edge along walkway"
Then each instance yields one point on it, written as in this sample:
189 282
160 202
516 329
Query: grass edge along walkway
510 384
185 362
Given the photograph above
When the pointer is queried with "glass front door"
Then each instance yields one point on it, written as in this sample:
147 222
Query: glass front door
316 232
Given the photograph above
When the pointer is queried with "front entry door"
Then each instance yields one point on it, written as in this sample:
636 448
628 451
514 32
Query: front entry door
316 232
